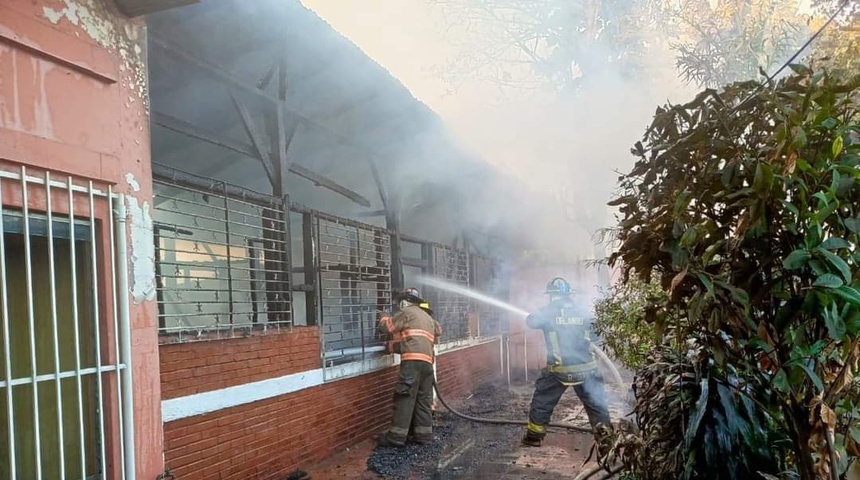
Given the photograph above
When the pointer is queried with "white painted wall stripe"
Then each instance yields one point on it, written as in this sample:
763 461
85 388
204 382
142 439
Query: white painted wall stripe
215 400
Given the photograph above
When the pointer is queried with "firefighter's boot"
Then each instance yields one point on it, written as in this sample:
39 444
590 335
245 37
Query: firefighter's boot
534 435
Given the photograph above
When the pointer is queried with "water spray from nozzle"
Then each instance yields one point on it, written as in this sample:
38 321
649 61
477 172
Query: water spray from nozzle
468 292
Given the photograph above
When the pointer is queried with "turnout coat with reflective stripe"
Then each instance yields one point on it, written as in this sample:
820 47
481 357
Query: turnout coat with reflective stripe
566 329
413 333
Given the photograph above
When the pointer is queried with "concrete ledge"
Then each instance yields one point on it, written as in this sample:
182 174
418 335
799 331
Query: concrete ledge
215 400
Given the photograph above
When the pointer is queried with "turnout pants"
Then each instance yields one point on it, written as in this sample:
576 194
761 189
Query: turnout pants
413 398
549 388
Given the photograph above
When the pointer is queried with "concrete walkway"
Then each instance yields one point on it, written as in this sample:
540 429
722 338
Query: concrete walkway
469 450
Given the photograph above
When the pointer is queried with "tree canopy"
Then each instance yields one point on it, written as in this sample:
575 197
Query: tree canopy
560 44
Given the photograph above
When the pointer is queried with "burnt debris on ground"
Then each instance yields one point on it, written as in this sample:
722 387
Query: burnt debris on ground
449 432
401 463
465 449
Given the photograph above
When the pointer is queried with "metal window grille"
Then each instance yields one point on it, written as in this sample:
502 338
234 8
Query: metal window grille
451 309
64 380
222 261
484 277
354 267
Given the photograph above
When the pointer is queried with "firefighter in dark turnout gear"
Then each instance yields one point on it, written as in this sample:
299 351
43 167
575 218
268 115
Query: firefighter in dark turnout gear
413 333
570 363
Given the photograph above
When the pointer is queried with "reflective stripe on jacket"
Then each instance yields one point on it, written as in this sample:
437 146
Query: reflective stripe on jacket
413 333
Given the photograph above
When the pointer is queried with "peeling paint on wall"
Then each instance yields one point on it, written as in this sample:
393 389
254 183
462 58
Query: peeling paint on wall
132 182
142 251
110 30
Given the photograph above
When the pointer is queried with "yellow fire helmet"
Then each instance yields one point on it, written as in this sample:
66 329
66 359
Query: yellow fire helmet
426 307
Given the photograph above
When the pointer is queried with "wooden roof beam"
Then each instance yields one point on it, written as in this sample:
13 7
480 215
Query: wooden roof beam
189 130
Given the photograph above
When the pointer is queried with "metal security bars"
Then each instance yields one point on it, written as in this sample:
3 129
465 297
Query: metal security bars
222 260
62 397
451 309
491 320
354 266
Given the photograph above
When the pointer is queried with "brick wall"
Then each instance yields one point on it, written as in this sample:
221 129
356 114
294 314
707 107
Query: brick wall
270 438
459 371
195 367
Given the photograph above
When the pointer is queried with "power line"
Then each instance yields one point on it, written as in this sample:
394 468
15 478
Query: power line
811 39
796 54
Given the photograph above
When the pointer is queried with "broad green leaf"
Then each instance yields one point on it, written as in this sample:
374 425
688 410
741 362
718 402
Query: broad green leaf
836 262
796 259
835 243
790 207
682 202
780 381
815 234
763 179
829 123
741 296
689 236
698 414
853 224
816 380
848 294
835 323
819 267
854 432
800 69
838 143
834 183
845 186
826 211
758 179
828 280
800 139
853 320
842 457
711 251
709 286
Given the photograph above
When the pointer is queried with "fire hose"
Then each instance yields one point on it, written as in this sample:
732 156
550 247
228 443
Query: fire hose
611 473
594 471
504 421
500 421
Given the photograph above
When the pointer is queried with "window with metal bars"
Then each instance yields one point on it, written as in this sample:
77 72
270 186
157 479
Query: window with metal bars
451 309
222 261
485 279
354 265
60 396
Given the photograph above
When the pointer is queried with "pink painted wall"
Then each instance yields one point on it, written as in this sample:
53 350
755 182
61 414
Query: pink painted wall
73 100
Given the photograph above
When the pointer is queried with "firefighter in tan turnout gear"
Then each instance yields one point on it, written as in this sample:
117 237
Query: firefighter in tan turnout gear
413 333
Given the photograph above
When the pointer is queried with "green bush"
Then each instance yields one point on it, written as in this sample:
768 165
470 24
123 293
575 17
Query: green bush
619 319
745 206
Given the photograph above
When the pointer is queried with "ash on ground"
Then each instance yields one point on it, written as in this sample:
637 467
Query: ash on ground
465 449
421 462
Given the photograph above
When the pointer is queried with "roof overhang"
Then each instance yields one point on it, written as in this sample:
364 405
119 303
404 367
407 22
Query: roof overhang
138 8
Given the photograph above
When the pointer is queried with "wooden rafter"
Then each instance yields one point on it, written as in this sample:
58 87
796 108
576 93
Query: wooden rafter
256 138
185 128
227 78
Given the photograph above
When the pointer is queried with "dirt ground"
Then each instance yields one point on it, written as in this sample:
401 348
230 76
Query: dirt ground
469 450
